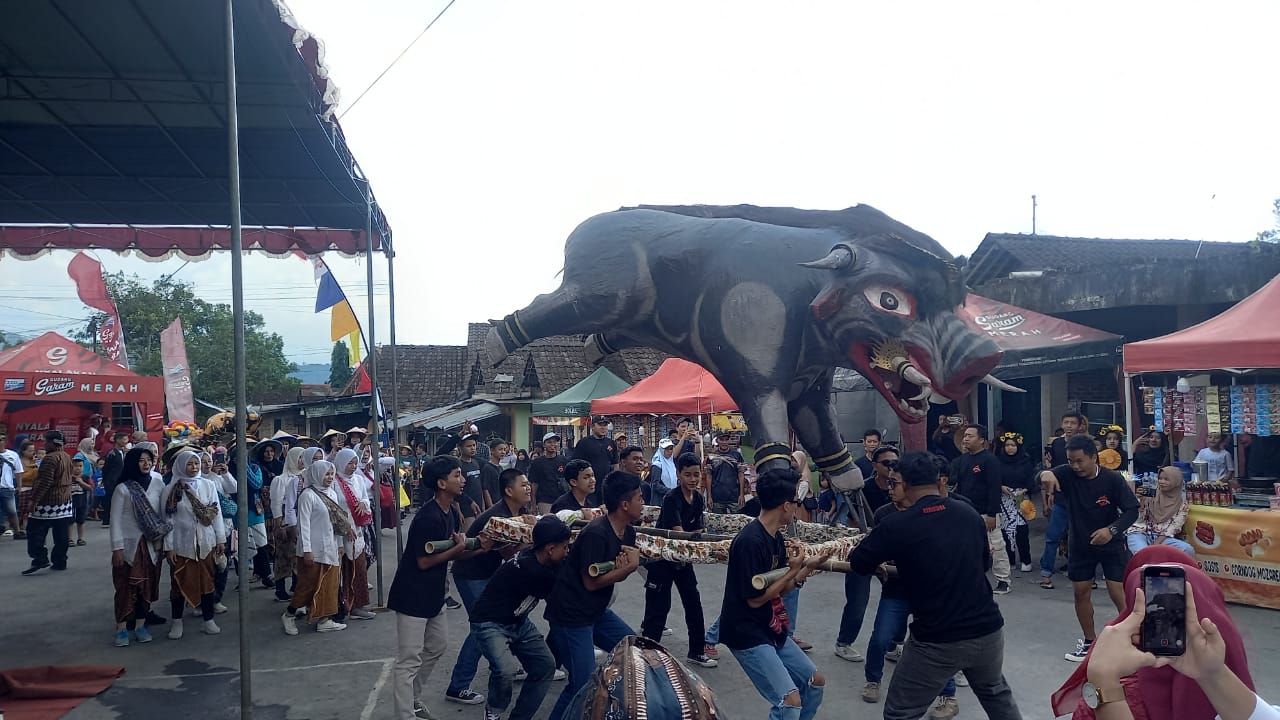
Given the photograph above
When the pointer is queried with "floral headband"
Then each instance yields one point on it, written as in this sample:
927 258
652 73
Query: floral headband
1011 436
1112 429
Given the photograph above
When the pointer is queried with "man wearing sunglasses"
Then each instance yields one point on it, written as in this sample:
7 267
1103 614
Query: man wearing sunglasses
939 546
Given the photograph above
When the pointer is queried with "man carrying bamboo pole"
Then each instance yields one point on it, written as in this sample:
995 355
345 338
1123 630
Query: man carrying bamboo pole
578 608
754 622
681 511
939 546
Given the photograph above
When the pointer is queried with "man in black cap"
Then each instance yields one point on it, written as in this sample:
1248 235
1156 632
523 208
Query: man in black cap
598 449
51 506
547 473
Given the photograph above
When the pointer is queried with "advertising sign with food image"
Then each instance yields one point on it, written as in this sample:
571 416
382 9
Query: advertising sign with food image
1240 550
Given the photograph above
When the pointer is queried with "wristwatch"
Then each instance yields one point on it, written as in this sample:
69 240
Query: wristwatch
1095 697
1114 530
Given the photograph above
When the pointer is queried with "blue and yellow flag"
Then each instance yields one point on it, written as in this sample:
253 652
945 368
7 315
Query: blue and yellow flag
342 319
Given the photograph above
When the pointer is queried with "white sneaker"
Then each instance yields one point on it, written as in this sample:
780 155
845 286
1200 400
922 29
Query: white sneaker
961 680
8 533
175 629
520 675
290 624
894 655
846 652
219 608
667 631
210 628
328 625
559 674
1026 567
361 614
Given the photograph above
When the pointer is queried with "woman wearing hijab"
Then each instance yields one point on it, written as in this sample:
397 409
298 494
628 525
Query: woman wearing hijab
1016 474
355 571
322 526
190 502
137 531
1154 693
1149 453
225 483
1162 516
284 522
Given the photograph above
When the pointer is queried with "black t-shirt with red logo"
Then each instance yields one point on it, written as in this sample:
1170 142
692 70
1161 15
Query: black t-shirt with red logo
977 477
1094 503
547 473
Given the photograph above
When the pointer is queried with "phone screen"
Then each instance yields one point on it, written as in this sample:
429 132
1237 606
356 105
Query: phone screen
219 458
1164 627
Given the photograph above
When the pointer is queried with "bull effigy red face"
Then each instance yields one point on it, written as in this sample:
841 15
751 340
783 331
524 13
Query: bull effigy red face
890 307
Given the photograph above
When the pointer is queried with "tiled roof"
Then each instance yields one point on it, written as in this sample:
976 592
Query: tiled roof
430 375
1000 254
548 366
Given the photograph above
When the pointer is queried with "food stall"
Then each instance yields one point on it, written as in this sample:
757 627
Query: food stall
52 383
1236 535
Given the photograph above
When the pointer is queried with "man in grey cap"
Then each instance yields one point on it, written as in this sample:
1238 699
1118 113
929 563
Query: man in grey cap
51 507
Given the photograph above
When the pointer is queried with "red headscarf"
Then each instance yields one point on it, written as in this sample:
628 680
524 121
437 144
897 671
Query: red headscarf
1153 693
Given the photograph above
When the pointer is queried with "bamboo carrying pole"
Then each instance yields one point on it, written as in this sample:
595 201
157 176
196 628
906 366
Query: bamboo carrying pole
600 568
764 580
438 546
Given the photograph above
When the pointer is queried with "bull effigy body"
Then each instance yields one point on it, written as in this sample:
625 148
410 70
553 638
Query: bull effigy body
770 301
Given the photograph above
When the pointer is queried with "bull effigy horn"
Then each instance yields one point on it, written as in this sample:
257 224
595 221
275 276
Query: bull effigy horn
997 383
840 258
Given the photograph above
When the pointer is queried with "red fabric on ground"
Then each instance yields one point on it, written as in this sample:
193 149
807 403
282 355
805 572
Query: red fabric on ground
48 692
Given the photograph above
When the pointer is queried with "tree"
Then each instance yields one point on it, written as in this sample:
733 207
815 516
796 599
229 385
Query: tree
340 366
207 327
1272 235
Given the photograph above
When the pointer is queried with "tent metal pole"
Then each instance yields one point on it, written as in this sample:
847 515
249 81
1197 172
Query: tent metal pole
395 394
237 327
1128 415
374 400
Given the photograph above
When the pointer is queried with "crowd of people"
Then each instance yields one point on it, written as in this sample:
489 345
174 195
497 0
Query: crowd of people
936 523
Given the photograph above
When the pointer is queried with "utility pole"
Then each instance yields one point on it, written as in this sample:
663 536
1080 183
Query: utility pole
1033 214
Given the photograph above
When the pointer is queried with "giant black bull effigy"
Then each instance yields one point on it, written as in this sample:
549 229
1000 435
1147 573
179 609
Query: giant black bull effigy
770 301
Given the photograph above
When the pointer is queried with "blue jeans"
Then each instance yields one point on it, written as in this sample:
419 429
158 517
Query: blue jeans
464 670
575 647
1053 536
890 624
713 632
791 601
776 672
502 646
857 593
1137 541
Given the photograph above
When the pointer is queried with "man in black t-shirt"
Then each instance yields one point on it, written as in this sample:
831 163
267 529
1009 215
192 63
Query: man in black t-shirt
1100 506
417 592
978 477
870 442
546 473
490 471
581 478
939 547
471 576
681 510
578 607
857 588
598 449
728 483
501 626
472 499
754 622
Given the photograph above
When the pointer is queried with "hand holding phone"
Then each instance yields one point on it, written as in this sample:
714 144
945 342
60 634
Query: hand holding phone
1164 625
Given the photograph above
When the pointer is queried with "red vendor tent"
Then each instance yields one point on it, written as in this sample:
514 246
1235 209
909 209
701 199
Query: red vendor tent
679 387
53 383
1244 336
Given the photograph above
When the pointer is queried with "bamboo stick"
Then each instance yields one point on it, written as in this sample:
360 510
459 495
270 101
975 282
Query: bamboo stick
438 546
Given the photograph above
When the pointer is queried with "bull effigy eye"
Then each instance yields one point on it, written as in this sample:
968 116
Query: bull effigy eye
890 300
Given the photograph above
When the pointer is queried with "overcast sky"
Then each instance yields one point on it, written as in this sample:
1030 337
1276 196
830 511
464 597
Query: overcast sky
510 122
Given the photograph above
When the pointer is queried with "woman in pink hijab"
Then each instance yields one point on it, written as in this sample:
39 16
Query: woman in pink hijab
1152 693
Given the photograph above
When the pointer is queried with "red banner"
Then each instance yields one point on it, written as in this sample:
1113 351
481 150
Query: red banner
177 374
92 289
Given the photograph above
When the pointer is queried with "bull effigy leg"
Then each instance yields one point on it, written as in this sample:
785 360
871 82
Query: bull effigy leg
813 417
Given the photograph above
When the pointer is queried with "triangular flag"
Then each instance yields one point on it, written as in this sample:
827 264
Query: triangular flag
342 322
354 347
329 294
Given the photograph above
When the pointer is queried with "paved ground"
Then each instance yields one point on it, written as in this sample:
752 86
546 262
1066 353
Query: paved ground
65 618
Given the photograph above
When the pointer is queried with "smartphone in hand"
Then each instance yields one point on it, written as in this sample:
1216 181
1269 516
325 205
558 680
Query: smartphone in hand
1164 629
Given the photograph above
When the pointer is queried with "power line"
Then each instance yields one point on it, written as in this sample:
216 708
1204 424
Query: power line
396 60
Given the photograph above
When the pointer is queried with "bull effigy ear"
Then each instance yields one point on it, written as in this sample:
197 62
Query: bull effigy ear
841 257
